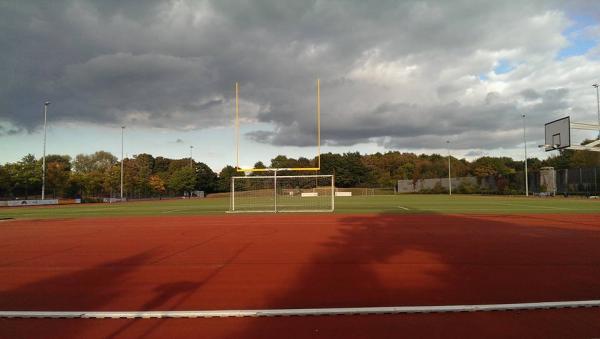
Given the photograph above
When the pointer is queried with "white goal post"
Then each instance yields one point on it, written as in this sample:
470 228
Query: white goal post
282 193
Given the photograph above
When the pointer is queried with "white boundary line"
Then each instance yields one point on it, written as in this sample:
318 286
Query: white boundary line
300 311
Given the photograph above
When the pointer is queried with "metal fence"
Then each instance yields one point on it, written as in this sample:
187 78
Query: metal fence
574 181
580 181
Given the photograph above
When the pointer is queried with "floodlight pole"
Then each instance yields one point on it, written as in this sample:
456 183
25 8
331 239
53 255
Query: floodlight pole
237 126
319 122
44 152
597 105
191 148
449 170
525 148
122 159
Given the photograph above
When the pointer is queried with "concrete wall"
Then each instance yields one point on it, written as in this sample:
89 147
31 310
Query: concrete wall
548 179
410 186
15 203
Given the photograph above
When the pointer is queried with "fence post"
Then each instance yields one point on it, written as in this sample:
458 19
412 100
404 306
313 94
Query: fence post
595 181
332 192
580 179
275 189
232 195
566 180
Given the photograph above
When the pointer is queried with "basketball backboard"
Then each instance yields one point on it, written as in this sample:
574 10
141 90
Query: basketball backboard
558 134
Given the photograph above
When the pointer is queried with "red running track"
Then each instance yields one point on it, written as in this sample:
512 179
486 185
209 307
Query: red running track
302 261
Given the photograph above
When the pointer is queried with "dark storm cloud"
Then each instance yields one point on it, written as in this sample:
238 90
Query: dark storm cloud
403 125
398 73
530 94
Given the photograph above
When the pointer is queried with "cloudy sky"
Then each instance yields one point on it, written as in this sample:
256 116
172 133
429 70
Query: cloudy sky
395 75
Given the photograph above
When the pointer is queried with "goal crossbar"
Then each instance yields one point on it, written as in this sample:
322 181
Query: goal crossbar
278 169
282 193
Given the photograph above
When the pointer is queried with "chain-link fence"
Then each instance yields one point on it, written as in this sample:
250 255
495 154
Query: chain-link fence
575 181
580 181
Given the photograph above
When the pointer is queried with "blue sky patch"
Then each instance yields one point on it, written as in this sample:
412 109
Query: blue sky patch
579 42
503 67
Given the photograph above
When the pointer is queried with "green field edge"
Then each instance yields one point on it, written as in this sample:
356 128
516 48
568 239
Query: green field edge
396 204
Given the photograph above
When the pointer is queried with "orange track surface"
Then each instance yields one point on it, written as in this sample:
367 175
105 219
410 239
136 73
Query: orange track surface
296 261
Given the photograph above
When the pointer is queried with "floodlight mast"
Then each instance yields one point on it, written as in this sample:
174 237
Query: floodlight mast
122 159
237 127
525 147
318 128
46 103
597 105
449 170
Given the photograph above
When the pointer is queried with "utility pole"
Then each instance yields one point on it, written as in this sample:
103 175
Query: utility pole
122 158
44 152
449 170
525 147
191 164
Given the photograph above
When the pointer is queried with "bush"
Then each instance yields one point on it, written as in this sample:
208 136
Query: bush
467 188
437 189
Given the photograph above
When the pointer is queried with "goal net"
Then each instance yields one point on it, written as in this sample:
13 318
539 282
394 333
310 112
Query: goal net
285 193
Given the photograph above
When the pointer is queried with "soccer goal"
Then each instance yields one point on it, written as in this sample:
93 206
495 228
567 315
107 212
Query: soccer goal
285 193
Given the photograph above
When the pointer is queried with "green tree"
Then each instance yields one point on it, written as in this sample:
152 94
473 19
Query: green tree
161 165
225 178
206 179
183 180
5 182
26 176
348 168
99 161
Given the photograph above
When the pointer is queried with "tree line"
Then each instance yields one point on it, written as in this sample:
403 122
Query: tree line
98 175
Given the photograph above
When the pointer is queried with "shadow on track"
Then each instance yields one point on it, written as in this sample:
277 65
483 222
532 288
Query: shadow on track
427 259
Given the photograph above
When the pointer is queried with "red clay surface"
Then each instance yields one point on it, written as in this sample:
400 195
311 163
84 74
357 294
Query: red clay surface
297 261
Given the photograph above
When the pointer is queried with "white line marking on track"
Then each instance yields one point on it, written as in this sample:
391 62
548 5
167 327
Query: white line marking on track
301 311
404 208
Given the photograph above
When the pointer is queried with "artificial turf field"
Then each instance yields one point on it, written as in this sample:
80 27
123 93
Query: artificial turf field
377 251
407 204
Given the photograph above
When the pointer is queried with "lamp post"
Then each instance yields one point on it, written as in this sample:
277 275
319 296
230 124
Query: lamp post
44 152
525 148
449 170
597 105
191 164
122 158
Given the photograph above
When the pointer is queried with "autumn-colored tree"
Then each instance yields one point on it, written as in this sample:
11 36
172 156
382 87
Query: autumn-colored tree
58 171
157 184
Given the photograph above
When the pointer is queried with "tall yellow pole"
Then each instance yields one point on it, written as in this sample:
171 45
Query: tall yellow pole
319 121
237 126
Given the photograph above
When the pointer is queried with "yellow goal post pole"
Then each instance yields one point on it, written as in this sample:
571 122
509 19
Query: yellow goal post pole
237 138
